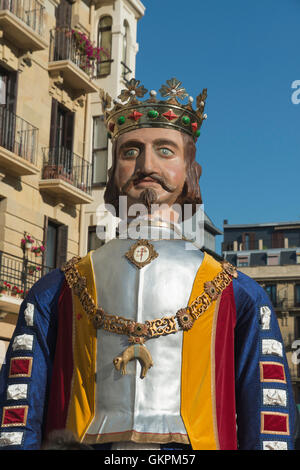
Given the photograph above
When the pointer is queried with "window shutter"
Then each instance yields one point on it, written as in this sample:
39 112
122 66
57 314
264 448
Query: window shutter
277 240
62 245
69 130
53 124
252 241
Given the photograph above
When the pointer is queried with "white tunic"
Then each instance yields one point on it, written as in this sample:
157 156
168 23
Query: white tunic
128 407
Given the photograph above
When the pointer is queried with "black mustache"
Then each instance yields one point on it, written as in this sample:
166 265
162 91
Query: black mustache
139 176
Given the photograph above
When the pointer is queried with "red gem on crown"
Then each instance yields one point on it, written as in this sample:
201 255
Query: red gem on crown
135 115
170 115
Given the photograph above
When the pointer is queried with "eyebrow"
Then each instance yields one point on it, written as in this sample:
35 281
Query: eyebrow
130 143
137 143
166 142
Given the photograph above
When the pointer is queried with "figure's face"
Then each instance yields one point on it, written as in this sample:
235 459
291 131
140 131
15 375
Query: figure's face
150 159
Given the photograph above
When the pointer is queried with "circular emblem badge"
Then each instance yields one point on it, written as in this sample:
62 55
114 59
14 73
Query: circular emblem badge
141 253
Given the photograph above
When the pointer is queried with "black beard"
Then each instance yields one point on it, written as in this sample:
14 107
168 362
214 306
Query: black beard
148 197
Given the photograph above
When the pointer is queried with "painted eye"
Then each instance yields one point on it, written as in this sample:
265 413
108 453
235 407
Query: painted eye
165 152
131 153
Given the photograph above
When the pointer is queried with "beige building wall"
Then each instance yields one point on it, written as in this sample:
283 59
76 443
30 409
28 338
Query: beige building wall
26 194
122 12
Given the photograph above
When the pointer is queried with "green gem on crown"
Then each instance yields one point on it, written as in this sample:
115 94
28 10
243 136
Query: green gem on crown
152 113
186 120
121 120
198 133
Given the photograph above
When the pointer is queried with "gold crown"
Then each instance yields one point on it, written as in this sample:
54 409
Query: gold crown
169 113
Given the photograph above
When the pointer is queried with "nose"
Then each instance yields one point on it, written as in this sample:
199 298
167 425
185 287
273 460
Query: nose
146 161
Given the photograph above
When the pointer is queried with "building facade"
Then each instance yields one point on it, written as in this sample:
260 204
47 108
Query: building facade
270 254
55 55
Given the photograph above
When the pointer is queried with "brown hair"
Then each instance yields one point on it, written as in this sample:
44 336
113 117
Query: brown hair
190 194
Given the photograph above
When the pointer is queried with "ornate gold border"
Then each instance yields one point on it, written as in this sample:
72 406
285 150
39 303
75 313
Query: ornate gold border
118 324
136 436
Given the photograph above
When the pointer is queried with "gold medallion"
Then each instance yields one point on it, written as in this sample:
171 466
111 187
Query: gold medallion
141 253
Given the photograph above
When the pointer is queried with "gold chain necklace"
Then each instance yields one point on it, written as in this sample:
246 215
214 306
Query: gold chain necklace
137 332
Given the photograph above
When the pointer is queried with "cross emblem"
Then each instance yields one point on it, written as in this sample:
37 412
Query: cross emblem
141 253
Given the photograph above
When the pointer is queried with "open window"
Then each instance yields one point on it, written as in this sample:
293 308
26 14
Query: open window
105 43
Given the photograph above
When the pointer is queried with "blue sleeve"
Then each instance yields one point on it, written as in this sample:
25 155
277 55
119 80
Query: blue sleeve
267 416
25 376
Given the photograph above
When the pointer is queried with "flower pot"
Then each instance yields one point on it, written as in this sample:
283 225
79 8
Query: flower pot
28 245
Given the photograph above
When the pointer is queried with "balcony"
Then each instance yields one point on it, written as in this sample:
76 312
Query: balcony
66 176
18 144
17 276
22 22
67 62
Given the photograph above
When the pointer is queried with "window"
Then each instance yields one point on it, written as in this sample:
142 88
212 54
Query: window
8 90
273 260
100 151
297 294
61 138
125 43
277 240
243 261
105 42
272 293
2 89
62 127
63 14
248 241
56 242
94 241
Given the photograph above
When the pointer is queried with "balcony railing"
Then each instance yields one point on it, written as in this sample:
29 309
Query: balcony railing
64 46
17 135
62 163
19 273
126 71
31 12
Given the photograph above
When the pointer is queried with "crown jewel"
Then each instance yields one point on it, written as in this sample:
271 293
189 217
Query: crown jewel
169 113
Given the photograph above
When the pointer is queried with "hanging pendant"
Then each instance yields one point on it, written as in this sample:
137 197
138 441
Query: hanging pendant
135 351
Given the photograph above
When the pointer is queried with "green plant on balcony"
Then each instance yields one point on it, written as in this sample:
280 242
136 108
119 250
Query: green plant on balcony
32 269
38 250
27 242
86 49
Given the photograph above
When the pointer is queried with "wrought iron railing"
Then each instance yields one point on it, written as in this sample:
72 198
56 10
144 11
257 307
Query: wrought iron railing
126 71
64 46
30 12
18 135
19 274
62 163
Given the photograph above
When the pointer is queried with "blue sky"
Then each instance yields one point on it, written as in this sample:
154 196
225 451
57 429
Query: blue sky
247 54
